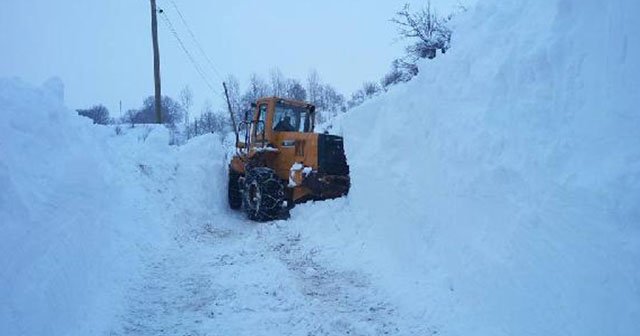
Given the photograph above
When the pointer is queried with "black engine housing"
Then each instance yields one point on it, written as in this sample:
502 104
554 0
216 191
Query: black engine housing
331 157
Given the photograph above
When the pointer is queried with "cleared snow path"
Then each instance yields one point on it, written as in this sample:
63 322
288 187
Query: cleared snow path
206 270
251 279
224 275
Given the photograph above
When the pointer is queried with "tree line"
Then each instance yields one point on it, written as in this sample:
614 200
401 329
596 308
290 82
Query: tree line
425 31
177 114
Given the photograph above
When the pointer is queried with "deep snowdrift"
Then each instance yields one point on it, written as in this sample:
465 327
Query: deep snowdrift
499 192
80 207
496 194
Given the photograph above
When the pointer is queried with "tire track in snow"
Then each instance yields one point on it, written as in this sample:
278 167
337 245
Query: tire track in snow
241 279
346 298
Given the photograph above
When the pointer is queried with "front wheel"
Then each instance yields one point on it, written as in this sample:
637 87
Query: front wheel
263 195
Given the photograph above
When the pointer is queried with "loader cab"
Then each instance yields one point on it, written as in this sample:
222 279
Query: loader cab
277 115
292 118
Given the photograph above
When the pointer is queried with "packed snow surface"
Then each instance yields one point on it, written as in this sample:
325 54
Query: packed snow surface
495 194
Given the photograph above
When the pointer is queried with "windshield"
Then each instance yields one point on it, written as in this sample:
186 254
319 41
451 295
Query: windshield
291 118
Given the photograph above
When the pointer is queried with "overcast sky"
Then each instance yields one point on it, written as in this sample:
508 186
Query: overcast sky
102 49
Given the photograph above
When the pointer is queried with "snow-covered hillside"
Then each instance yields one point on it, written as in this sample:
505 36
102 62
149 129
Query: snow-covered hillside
497 193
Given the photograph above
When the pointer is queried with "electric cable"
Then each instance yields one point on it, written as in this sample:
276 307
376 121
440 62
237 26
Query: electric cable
184 48
196 41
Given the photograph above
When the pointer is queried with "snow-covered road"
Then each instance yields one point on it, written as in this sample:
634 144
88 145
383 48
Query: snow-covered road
495 194
233 277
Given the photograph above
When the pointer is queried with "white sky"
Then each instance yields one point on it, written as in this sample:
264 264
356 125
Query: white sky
102 49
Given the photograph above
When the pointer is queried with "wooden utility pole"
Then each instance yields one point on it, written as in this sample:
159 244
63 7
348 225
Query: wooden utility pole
156 61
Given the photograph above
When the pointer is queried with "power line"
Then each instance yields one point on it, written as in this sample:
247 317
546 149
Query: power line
184 48
195 40
199 69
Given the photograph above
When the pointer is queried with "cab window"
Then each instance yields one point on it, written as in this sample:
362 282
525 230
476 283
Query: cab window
291 119
262 119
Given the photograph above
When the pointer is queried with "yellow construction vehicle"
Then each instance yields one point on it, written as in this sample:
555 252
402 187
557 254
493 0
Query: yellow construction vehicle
281 161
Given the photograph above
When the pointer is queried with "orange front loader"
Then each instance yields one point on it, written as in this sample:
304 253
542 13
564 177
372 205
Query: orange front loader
281 161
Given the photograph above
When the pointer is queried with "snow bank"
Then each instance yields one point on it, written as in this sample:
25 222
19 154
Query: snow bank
498 193
78 208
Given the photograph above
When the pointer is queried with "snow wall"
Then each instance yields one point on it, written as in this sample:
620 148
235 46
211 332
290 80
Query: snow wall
498 193
81 205
495 194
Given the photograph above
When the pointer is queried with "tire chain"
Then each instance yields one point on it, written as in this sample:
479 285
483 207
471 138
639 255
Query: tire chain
270 189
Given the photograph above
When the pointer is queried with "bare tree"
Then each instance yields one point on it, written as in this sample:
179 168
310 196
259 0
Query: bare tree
314 86
370 89
295 90
186 100
171 112
401 71
233 89
278 83
210 121
428 31
330 99
98 113
357 98
257 88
